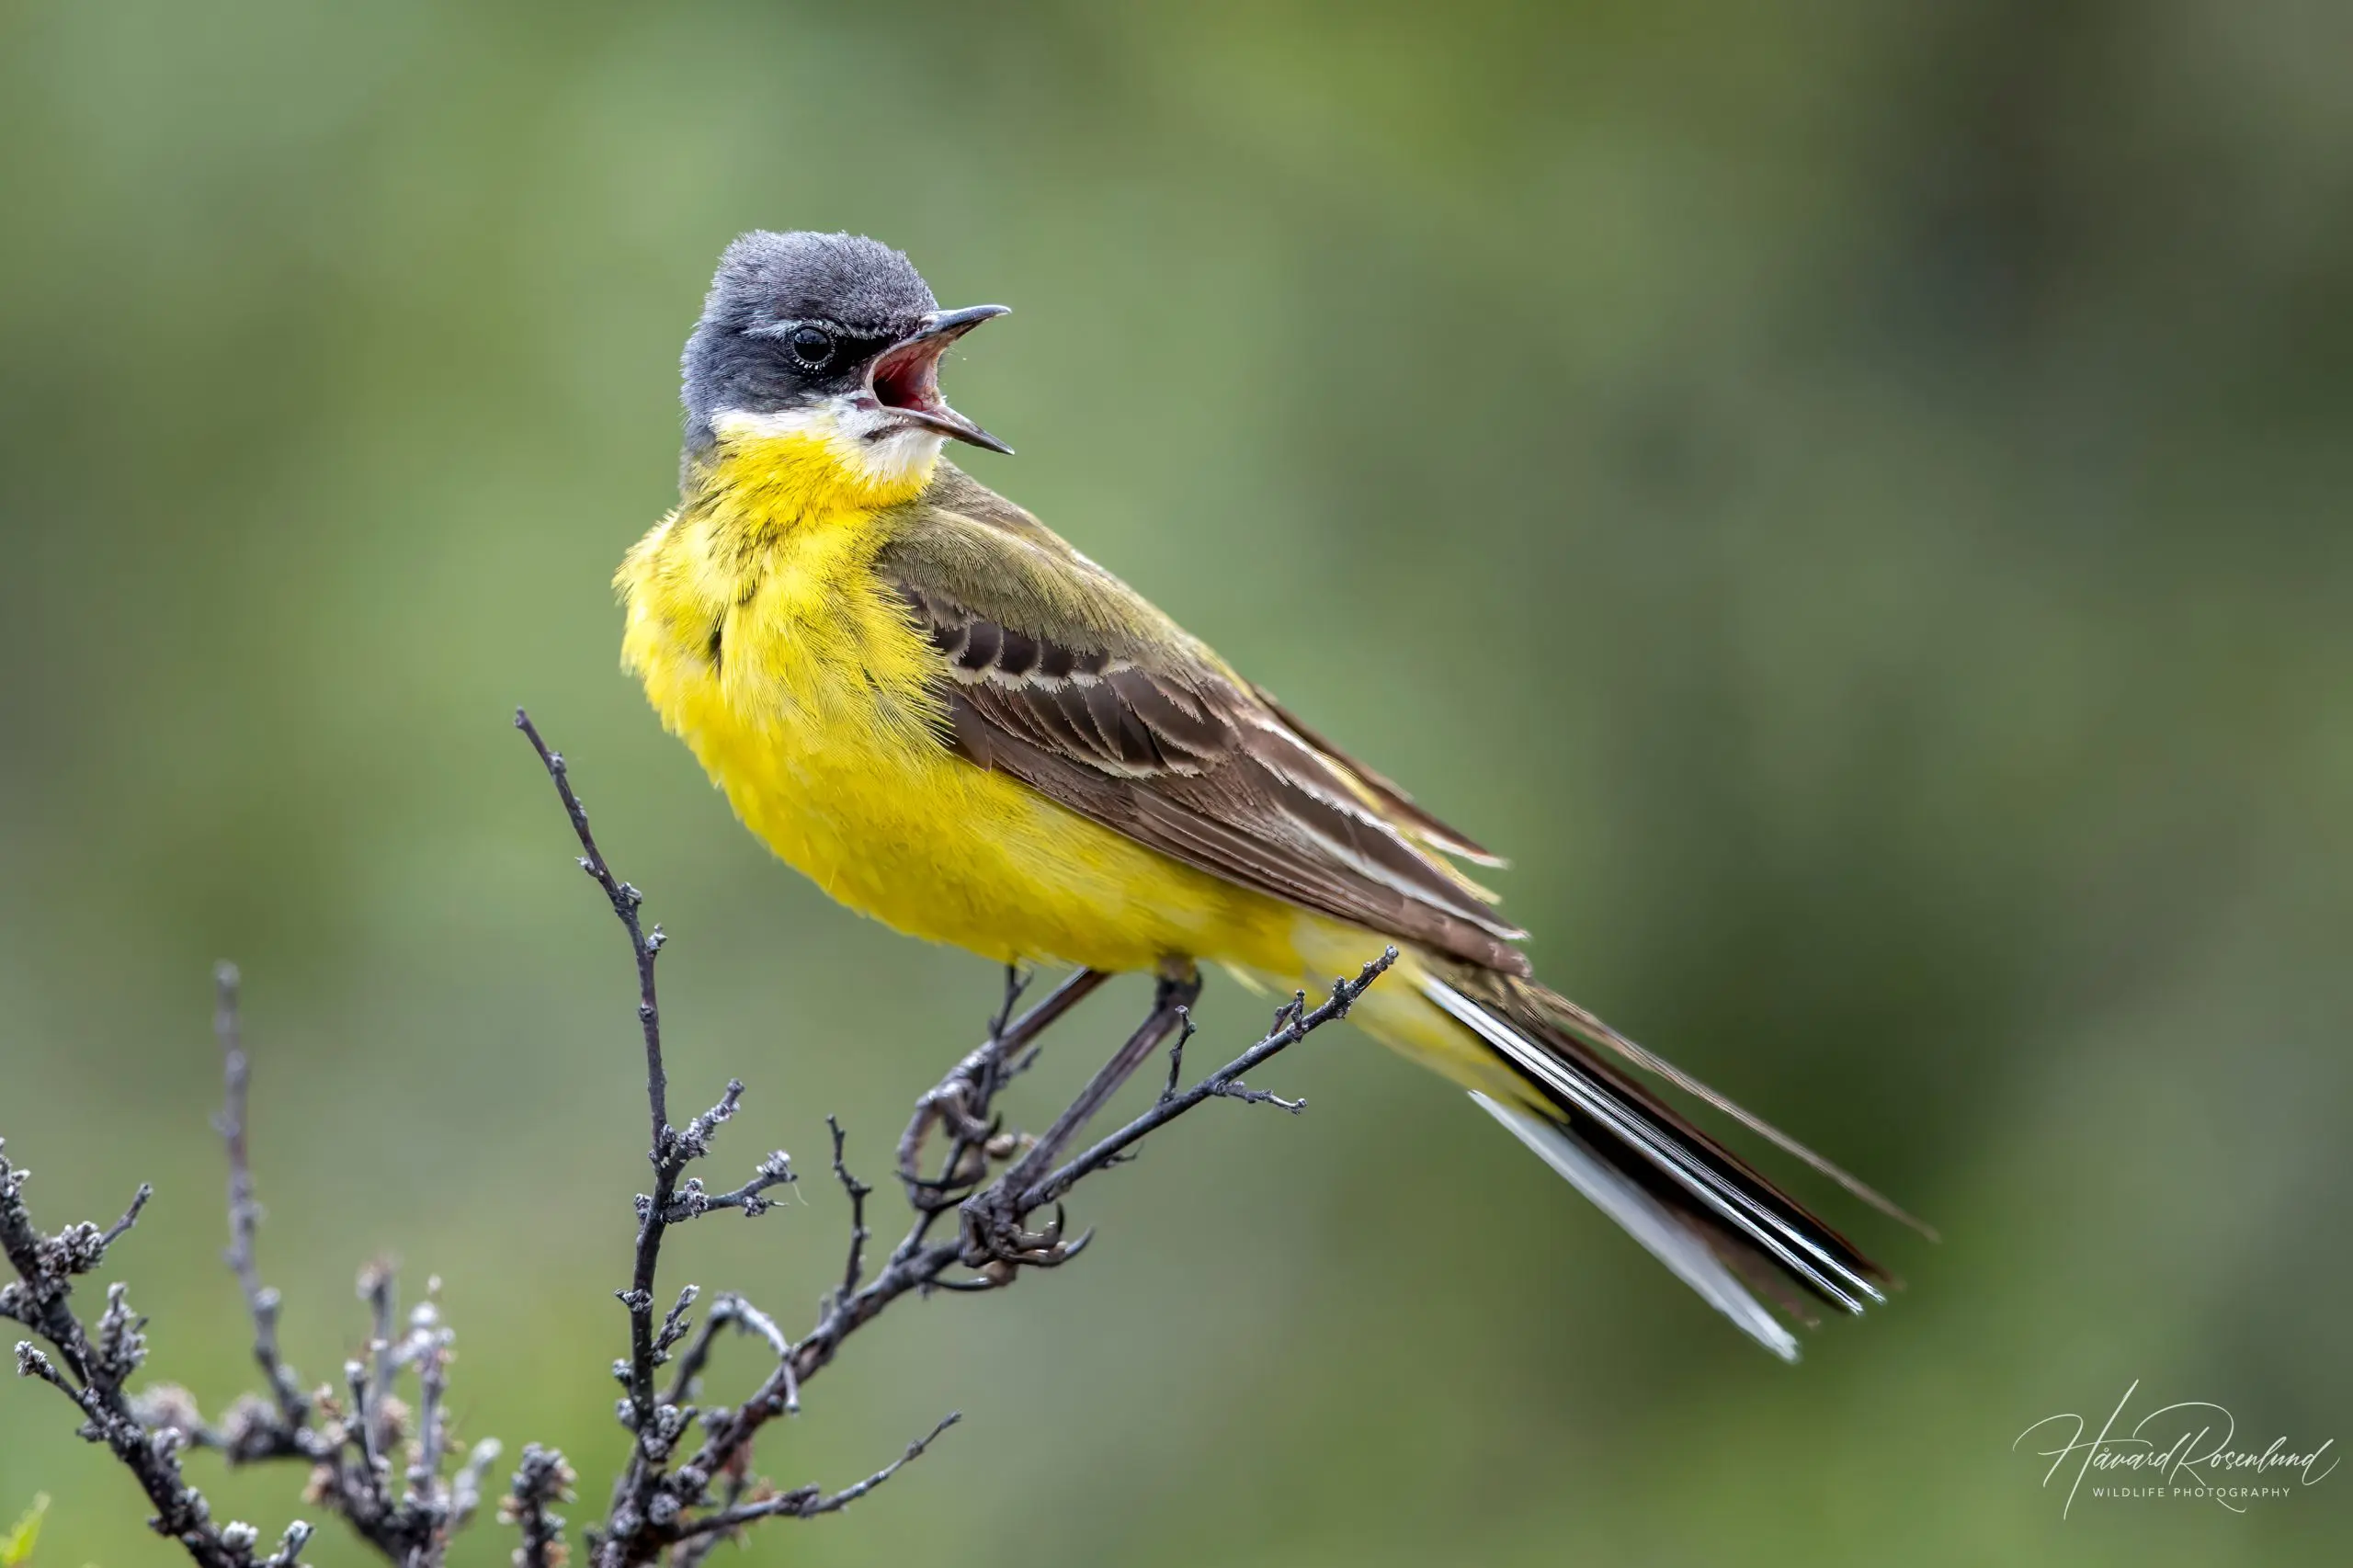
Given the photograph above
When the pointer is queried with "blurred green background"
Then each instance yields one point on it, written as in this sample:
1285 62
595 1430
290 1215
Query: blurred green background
1851 496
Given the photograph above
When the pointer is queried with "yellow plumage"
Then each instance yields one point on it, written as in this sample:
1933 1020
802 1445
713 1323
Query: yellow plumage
819 720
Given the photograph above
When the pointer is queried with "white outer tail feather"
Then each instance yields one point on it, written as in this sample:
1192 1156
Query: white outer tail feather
1790 1248
1650 1222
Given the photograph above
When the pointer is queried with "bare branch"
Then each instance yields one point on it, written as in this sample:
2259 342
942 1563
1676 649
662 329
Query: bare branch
670 1150
858 1192
693 1201
346 1451
244 1210
91 1374
648 1500
673 1501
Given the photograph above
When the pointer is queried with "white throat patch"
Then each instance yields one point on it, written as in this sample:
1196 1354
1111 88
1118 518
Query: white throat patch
866 438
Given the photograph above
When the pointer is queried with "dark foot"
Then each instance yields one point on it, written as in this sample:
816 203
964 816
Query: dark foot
996 1230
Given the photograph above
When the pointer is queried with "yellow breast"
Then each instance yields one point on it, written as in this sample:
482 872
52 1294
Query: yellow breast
802 683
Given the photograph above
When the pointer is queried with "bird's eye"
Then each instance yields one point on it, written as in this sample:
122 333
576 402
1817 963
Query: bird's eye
812 346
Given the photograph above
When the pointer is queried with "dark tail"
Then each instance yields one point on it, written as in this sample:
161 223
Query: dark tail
1723 1228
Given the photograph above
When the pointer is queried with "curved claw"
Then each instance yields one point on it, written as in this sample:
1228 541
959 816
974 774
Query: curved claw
935 1196
1046 1239
973 1286
1045 1248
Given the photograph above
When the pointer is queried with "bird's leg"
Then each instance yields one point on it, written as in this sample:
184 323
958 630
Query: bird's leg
962 1099
993 1229
1172 998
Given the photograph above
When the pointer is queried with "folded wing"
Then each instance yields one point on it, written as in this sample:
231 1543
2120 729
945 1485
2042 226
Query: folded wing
1056 673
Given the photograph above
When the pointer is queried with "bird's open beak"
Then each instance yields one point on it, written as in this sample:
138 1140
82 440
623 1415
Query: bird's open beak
906 375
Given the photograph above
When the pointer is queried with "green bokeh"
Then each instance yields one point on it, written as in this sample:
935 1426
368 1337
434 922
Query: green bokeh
1851 496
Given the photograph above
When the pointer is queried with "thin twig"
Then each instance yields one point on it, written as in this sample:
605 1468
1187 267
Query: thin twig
465 1487
244 1210
625 901
808 1502
290 1547
129 1216
379 1287
693 1202
858 1192
674 1322
350 1462
666 1154
433 1386
542 1480
363 1416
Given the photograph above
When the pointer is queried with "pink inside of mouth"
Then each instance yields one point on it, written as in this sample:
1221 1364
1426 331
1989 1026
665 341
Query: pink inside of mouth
908 377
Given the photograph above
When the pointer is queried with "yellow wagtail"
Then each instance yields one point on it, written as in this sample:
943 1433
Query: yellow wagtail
955 722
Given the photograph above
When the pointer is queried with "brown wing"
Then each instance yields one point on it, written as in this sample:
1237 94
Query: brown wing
1175 754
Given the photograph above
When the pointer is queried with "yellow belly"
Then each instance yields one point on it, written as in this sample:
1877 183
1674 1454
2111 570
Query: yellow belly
937 849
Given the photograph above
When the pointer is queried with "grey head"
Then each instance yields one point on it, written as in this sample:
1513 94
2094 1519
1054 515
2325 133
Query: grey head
833 323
